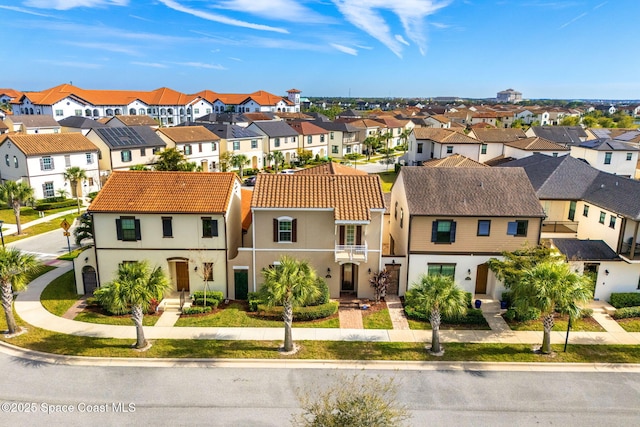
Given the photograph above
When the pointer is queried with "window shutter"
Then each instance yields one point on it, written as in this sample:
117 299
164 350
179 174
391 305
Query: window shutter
214 228
41 163
341 235
119 229
452 235
434 231
359 235
52 165
44 190
138 234
512 228
275 230
294 230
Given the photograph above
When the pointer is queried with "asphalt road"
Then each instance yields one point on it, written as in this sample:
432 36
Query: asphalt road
268 397
46 246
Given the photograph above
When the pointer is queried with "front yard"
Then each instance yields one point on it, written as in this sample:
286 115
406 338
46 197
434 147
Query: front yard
587 324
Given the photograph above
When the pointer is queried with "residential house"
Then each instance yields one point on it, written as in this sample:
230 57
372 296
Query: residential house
122 148
240 140
437 121
451 221
529 146
433 143
331 168
394 128
197 143
281 137
311 138
453 161
187 223
366 128
532 115
564 135
79 124
343 137
493 140
608 155
131 120
31 124
41 161
317 218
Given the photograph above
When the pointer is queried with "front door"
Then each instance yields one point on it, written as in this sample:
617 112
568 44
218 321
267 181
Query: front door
481 279
182 276
89 280
394 278
241 283
348 275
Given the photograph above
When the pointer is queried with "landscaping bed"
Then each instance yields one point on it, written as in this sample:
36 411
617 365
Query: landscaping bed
377 317
96 314
631 324
586 324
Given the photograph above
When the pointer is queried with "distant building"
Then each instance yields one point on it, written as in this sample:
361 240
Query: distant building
509 95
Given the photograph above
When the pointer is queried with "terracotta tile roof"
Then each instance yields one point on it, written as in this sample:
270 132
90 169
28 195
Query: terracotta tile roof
12 93
441 118
246 208
34 121
182 134
454 161
51 143
499 135
331 168
294 91
390 122
482 125
307 128
444 136
135 120
365 123
536 144
469 192
350 196
265 98
165 192
293 116
258 116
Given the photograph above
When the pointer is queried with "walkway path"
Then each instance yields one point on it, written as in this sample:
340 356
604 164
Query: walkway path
8 229
29 308
396 312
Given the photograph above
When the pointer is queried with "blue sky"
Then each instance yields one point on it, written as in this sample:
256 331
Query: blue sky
405 48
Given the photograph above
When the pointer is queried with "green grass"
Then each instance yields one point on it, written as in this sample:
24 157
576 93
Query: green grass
73 254
387 178
560 324
377 319
420 325
44 227
27 214
235 315
125 320
60 294
631 324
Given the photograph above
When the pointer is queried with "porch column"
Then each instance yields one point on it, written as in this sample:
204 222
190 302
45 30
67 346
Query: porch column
633 240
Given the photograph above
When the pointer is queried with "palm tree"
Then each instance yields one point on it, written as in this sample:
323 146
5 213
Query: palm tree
239 161
439 295
15 194
291 283
84 230
369 142
551 286
75 174
278 159
15 267
135 286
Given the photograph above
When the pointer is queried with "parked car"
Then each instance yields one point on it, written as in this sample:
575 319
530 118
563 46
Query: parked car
288 171
251 181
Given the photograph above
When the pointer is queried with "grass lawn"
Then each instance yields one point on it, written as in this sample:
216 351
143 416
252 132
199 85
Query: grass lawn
44 227
631 324
377 318
560 324
60 294
420 325
73 254
125 320
236 315
27 214
387 178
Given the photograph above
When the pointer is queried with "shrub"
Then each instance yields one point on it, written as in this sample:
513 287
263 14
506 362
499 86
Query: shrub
586 312
625 299
211 302
301 314
92 195
54 205
216 295
254 300
530 314
506 297
469 297
473 317
324 292
626 312
196 310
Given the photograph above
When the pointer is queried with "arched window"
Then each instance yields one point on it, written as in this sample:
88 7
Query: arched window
163 111
30 110
118 112
95 113
109 112
182 111
141 112
132 111
6 160
15 162
169 110
87 112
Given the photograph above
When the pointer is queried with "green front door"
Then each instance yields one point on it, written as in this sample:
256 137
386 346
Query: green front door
241 282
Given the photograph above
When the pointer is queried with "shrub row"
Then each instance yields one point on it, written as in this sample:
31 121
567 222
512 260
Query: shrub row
625 299
211 302
55 205
522 316
473 317
626 312
217 295
196 310
301 314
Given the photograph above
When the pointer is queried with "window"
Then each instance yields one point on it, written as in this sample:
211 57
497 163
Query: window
331 135
6 160
128 229
143 152
15 162
59 113
449 149
284 229
90 181
420 144
47 189
443 269
125 155
607 158
209 227
401 217
46 163
484 227
443 231
585 210
572 210
309 139
334 149
67 161
395 211
483 149
207 271
187 150
196 111
629 156
322 138
602 217
518 228
214 146
78 112
200 147
254 143
89 157
612 221
348 149
167 226
155 150
236 145
276 142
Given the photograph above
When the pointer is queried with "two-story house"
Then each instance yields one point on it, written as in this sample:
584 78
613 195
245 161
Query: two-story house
311 138
197 143
608 155
240 140
281 137
188 223
451 221
32 124
493 140
343 137
529 146
435 143
42 159
333 221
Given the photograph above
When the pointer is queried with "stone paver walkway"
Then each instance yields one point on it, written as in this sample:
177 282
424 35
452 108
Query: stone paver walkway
76 308
396 312
350 318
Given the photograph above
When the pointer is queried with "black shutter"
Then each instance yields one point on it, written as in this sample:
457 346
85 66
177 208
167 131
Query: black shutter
275 230
452 235
434 231
138 235
214 227
119 229
341 241
359 235
294 230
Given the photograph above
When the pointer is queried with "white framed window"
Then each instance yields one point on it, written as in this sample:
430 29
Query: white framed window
48 190
46 163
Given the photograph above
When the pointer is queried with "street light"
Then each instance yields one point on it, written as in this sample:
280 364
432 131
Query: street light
1 235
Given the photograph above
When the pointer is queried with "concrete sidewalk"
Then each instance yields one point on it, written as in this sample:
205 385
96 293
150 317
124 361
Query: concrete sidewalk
8 229
29 308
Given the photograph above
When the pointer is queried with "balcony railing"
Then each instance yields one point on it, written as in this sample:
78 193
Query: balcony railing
351 252
559 227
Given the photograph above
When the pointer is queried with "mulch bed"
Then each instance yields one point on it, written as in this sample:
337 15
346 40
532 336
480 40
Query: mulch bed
99 310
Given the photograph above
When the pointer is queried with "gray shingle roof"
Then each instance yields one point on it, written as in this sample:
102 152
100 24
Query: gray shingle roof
336 126
34 120
585 250
80 122
276 129
560 134
470 192
130 137
226 131
607 144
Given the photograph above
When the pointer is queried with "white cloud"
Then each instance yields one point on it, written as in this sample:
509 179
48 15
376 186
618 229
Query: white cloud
582 15
440 25
235 59
344 49
150 64
364 14
23 10
201 65
219 18
402 40
70 4
284 10
105 46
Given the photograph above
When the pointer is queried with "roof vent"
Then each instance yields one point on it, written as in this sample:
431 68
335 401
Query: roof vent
601 185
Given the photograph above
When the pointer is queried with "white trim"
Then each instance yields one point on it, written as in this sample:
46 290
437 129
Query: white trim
240 267
353 222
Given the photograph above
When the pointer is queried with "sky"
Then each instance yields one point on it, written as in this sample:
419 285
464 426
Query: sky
574 49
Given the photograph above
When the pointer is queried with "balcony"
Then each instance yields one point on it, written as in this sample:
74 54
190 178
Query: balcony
351 253
560 227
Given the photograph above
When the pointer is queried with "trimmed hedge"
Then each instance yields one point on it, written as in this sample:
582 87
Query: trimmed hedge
301 314
625 299
626 312
216 295
55 205
531 314
211 302
196 310
254 300
473 317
